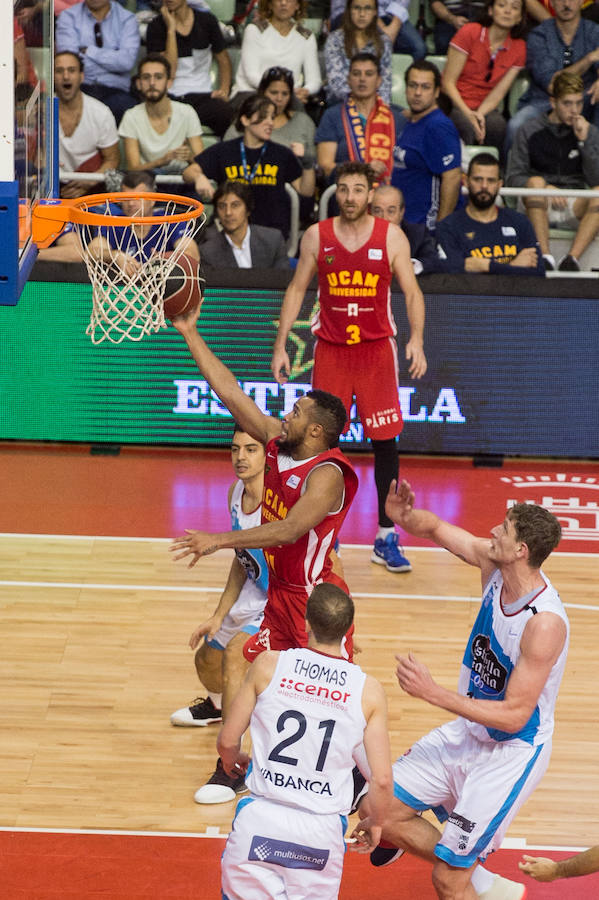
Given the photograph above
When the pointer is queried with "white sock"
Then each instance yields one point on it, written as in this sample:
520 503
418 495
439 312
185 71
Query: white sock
550 259
383 531
482 880
217 699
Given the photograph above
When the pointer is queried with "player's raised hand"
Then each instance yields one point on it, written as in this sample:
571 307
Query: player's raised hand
400 501
187 321
414 678
195 544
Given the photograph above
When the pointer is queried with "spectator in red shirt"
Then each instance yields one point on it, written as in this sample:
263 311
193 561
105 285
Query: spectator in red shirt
482 62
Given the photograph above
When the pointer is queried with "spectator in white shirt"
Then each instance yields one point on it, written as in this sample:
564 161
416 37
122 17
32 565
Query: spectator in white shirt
159 134
87 135
279 39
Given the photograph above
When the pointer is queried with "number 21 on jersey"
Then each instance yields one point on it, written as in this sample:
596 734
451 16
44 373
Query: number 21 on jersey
299 722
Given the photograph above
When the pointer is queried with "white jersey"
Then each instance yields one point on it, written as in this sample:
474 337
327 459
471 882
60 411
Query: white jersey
493 650
305 728
252 560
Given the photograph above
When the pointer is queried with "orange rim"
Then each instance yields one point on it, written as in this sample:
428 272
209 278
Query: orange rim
72 211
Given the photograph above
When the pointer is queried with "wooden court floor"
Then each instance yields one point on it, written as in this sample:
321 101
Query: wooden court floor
94 635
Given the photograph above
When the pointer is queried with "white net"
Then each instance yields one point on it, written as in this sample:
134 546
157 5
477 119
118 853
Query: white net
129 264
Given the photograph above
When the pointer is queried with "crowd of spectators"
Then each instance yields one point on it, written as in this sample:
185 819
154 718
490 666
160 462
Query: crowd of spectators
160 87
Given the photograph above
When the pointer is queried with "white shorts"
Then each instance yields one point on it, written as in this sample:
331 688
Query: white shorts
475 787
245 615
282 853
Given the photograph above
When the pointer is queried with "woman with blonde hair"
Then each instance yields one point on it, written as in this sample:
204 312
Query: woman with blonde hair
279 39
359 32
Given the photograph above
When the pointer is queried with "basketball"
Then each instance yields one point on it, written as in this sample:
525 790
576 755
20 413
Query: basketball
182 291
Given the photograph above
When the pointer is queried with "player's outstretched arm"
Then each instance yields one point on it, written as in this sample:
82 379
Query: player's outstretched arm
292 301
398 251
378 753
223 382
542 642
228 598
324 493
228 742
543 869
399 506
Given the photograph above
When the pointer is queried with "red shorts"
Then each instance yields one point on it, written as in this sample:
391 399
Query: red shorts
368 372
284 624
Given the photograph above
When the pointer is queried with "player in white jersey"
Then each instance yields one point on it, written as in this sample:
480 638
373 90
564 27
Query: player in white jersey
309 710
219 657
476 771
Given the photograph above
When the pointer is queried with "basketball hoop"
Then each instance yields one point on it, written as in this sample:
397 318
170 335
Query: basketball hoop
129 258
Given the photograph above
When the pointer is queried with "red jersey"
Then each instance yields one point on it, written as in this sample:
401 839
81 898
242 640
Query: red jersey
307 561
354 289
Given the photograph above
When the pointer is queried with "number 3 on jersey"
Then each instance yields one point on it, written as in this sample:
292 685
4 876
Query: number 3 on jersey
275 754
353 334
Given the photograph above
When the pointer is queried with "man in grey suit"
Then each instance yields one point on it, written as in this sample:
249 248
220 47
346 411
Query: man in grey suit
239 244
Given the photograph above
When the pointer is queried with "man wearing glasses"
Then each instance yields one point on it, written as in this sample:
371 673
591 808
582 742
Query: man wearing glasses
106 37
567 43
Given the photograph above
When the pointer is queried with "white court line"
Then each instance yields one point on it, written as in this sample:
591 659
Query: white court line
213 831
173 589
159 540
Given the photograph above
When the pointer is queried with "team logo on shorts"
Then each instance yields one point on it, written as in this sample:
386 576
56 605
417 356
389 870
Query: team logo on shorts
466 827
290 856
462 823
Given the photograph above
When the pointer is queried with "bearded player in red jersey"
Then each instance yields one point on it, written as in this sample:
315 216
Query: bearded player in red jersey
356 255
308 488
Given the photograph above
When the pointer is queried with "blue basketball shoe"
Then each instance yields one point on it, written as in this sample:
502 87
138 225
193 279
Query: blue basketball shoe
388 552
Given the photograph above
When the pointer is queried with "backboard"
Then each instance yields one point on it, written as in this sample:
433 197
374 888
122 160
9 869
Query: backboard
28 160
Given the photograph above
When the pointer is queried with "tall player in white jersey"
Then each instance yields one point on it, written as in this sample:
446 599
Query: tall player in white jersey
309 711
219 659
476 771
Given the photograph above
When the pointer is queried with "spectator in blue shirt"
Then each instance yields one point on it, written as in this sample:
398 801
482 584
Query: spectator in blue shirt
485 237
427 156
106 37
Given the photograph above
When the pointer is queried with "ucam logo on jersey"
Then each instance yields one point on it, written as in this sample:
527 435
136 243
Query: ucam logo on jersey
286 854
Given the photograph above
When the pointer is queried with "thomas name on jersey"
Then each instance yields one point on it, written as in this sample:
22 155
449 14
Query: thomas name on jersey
352 284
